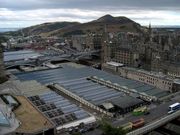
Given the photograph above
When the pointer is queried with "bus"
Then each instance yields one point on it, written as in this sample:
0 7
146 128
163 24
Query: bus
133 125
127 127
174 107
138 123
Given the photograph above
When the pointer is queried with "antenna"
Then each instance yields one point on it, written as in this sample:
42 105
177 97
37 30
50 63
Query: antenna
21 30
150 25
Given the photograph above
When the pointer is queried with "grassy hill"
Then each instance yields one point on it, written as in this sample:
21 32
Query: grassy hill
107 22
110 23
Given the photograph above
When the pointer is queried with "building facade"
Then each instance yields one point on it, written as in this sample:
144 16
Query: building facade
121 49
82 42
156 50
156 79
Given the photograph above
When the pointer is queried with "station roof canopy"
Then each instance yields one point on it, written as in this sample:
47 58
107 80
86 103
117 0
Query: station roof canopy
74 72
20 55
126 102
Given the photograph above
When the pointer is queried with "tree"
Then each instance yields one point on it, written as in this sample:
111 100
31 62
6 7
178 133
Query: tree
108 129
3 77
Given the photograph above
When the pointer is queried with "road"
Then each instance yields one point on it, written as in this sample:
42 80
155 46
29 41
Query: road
155 113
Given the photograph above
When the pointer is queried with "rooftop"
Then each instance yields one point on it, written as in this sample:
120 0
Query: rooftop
59 110
20 55
90 91
125 102
31 119
69 72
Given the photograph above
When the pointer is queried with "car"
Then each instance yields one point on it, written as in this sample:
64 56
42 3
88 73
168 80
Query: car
82 130
147 113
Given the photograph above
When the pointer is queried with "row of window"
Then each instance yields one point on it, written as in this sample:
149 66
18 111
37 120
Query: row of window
153 83
126 62
177 74
150 80
166 82
142 79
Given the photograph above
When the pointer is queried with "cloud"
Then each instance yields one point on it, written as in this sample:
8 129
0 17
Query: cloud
24 13
90 4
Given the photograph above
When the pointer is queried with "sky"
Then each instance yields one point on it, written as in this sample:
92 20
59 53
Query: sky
24 13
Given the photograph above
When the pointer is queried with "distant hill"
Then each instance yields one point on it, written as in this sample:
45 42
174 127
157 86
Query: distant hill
42 29
114 20
8 29
108 22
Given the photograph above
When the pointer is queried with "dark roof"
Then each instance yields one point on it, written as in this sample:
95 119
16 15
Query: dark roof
125 102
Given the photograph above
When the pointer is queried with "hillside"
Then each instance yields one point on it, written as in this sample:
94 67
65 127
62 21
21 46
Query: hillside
107 22
112 24
44 28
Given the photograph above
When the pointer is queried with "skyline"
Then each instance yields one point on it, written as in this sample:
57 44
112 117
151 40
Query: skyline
14 14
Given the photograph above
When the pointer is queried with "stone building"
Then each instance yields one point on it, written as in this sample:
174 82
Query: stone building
79 42
91 41
121 49
156 79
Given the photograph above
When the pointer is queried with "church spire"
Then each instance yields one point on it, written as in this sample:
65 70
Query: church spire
150 32
150 28
170 41
149 25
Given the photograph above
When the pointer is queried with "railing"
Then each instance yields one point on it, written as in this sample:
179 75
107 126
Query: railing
155 124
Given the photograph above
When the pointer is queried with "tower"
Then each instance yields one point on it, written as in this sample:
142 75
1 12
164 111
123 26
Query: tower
160 40
150 33
104 52
170 41
150 30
